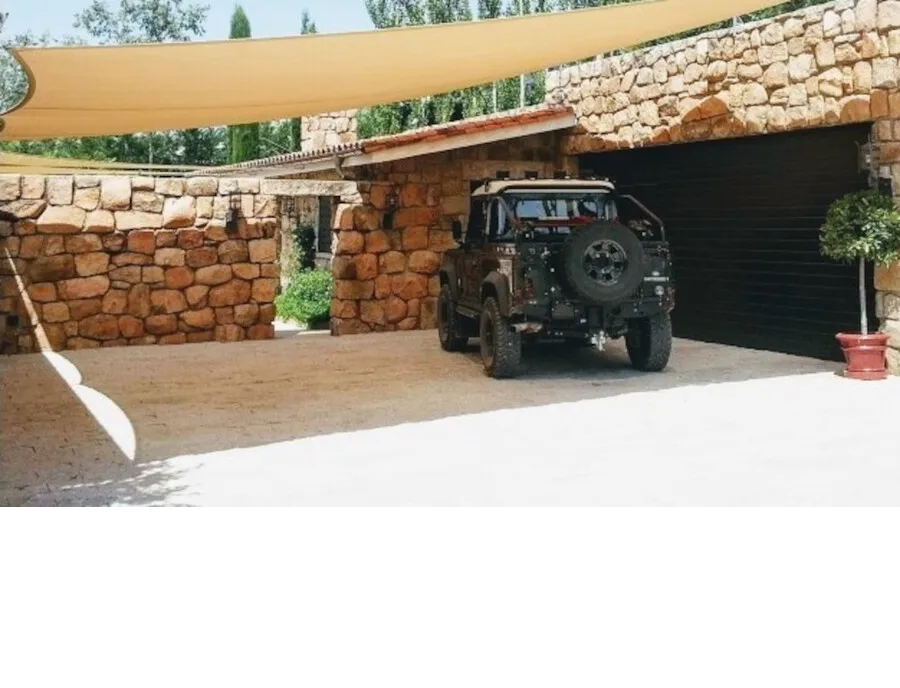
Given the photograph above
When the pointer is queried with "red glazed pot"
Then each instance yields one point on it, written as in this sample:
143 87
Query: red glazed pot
865 355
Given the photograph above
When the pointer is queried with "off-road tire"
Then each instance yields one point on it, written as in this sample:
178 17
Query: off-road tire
575 268
649 343
449 327
501 348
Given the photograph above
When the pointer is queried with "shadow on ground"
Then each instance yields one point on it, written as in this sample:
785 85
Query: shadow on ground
197 399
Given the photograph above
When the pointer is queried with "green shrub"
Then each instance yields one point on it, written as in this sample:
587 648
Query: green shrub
307 298
862 226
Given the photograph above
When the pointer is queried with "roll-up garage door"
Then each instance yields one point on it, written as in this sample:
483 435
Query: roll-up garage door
743 217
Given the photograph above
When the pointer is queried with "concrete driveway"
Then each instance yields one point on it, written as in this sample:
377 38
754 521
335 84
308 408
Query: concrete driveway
392 420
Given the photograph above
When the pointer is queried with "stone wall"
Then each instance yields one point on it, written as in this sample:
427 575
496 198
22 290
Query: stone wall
117 261
386 278
831 64
330 129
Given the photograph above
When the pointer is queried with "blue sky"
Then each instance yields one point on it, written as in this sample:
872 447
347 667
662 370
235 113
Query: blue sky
268 17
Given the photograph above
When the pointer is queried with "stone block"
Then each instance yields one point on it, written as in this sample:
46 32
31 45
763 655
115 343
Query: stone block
56 312
85 287
25 209
147 201
161 325
40 293
115 193
264 290
163 301
115 302
263 251
230 333
246 271
142 241
32 186
230 294
202 257
153 274
61 220
101 327
213 275
170 186
139 301
410 286
424 262
132 219
60 190
202 186
52 268
179 212
90 264
179 278
246 314
197 296
99 222
234 251
131 327
84 308
350 243
169 257
887 278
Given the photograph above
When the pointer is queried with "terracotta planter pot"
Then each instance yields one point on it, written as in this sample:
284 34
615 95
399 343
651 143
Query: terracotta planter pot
865 355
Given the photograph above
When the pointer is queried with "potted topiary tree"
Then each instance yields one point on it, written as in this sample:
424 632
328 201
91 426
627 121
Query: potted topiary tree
860 227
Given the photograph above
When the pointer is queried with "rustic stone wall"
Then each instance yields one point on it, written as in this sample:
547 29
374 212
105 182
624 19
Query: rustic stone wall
828 64
831 64
117 261
386 278
330 129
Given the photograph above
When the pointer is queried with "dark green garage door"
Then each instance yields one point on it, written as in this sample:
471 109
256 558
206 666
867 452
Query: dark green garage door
743 217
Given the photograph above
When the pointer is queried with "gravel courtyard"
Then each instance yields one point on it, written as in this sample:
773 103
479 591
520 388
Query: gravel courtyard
392 420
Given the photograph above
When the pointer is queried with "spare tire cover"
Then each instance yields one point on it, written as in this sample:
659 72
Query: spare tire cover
604 262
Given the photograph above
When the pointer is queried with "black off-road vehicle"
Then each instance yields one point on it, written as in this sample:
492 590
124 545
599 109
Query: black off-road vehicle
560 259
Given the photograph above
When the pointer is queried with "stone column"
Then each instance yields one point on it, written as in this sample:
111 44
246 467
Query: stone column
887 282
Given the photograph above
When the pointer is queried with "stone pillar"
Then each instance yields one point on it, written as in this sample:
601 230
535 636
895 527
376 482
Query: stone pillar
887 282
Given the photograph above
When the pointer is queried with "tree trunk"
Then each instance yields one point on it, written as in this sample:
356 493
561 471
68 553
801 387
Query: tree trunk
863 307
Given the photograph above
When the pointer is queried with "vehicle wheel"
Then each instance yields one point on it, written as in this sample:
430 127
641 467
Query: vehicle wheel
501 348
448 324
649 343
604 262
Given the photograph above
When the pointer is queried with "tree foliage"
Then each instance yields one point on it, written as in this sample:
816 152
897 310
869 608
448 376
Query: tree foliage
143 21
243 140
132 21
864 225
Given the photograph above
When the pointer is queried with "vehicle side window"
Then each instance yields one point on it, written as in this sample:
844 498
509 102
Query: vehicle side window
499 228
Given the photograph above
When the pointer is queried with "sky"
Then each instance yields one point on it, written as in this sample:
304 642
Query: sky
267 17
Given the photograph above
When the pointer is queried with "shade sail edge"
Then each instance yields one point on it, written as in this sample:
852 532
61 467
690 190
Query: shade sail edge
364 69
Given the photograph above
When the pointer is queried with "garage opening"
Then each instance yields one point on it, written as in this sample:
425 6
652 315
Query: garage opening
743 217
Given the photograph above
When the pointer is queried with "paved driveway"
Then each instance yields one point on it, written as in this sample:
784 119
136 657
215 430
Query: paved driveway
392 420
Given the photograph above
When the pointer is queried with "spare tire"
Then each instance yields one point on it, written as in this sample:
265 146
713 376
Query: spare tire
604 262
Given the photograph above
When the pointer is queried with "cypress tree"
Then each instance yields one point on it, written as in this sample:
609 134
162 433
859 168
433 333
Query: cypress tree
243 140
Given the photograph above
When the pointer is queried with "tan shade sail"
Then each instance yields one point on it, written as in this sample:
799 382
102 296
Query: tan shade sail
18 163
93 91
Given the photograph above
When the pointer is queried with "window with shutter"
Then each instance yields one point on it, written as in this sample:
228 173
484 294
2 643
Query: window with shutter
326 206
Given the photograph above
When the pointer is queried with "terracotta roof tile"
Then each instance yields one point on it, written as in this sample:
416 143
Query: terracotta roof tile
491 122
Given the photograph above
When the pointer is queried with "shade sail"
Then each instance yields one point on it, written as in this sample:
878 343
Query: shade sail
93 91
18 163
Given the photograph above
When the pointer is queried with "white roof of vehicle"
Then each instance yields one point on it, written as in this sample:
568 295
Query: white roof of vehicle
501 185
